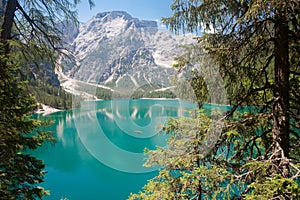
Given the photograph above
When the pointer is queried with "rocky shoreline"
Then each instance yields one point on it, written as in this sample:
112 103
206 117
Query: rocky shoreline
45 109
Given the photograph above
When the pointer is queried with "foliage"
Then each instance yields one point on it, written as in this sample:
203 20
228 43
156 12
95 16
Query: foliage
192 170
153 91
29 34
282 188
44 85
256 45
198 79
53 96
102 93
186 174
20 172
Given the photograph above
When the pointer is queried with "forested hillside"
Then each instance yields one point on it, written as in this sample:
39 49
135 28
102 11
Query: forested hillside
43 84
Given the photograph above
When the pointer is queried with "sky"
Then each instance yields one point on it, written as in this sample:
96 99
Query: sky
142 9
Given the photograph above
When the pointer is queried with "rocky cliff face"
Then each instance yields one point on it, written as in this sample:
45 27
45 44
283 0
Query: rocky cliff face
113 48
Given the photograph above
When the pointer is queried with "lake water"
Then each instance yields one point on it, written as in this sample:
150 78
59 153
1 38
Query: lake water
99 149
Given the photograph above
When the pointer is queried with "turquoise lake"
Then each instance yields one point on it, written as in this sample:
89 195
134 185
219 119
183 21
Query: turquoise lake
99 148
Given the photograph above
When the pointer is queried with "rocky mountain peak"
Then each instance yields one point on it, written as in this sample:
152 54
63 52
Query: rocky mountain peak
122 18
113 15
113 45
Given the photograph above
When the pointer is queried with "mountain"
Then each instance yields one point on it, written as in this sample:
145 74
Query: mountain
122 52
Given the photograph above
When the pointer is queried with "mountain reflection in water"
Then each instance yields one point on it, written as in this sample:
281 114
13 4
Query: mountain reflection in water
99 149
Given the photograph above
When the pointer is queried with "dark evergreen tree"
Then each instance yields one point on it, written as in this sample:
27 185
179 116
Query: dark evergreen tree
256 45
28 34
20 172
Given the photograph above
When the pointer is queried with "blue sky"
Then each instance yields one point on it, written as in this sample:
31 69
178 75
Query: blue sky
142 9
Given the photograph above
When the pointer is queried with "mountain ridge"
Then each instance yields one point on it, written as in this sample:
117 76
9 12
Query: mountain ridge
114 48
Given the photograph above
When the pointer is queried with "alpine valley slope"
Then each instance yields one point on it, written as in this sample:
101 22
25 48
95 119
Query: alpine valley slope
117 52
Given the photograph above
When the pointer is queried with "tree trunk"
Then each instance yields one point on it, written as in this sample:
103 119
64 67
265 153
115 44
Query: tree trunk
281 86
7 23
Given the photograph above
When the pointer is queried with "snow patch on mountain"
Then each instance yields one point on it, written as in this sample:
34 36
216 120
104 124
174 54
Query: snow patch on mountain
161 60
116 48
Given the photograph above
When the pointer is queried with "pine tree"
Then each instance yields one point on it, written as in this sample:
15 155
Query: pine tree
256 45
28 34
20 172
